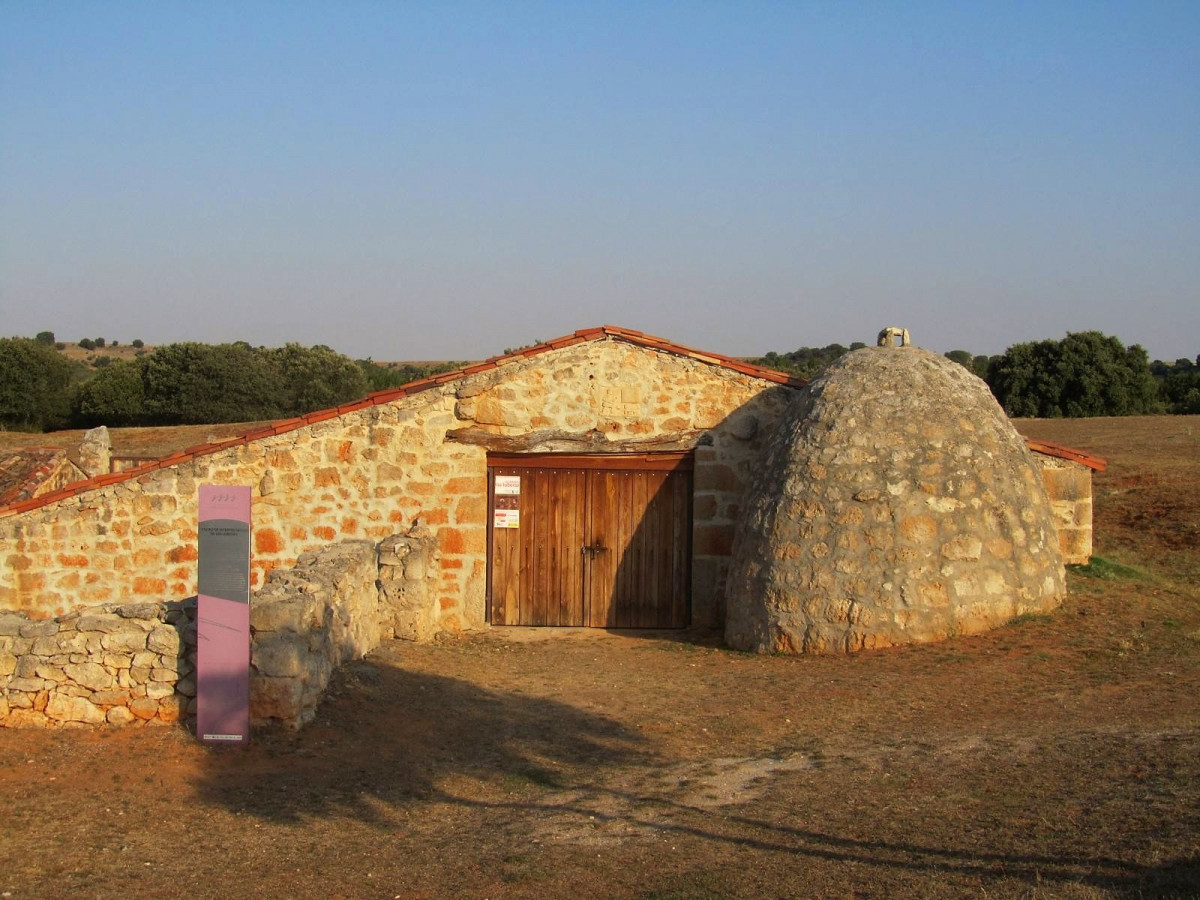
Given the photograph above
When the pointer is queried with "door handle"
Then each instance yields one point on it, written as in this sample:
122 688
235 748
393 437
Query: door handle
593 549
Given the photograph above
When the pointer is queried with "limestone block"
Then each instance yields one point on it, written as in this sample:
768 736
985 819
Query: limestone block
172 709
124 641
111 623
43 628
73 709
156 690
27 718
284 655
27 685
275 698
50 673
144 708
292 614
91 675
45 646
110 698
119 715
149 611
164 640
8 663
10 624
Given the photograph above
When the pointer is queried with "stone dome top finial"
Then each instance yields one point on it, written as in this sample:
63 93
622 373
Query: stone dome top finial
887 337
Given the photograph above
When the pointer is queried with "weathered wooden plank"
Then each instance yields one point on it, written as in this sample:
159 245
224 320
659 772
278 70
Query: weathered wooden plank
551 441
574 540
681 547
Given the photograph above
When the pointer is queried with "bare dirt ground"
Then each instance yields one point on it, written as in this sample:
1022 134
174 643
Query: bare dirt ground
153 442
1056 757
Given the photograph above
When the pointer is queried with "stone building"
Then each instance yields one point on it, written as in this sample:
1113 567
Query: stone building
611 463
896 504
591 480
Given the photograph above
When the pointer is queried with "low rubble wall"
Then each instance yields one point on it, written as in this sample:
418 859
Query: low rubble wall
120 664
113 664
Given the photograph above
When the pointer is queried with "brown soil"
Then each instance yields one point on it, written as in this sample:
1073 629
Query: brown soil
151 442
1056 757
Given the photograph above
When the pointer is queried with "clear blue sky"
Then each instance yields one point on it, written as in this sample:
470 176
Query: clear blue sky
444 180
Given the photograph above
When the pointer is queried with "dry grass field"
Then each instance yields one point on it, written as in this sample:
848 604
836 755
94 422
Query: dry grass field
1056 757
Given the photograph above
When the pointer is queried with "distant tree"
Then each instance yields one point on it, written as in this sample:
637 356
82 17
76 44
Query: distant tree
137 343
1085 374
1180 384
315 378
381 378
806 362
191 383
99 342
101 361
59 345
963 358
113 397
113 343
857 345
34 385
87 344
45 337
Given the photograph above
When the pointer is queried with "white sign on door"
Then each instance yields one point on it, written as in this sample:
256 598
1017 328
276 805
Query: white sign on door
508 485
506 518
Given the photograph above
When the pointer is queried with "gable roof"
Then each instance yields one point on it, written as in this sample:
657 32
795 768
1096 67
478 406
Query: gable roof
605 332
1049 448
22 472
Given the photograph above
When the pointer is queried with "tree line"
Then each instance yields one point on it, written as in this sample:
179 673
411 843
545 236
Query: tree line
1087 373
181 384
1084 374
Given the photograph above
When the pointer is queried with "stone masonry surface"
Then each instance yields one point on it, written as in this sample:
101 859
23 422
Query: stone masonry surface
1069 487
135 663
896 504
368 473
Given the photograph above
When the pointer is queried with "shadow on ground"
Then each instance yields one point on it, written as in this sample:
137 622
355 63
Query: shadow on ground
391 741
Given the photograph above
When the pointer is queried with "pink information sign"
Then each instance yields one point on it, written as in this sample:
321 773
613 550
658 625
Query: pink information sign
223 616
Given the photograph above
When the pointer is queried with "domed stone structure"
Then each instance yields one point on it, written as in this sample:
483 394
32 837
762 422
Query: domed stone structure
896 505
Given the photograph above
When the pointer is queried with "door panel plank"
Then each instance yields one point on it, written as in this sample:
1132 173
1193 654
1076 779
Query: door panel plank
642 519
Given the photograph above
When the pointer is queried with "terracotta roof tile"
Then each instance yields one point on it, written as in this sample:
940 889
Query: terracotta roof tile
1049 448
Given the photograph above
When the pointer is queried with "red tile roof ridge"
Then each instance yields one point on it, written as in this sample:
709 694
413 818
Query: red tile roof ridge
414 387
1062 451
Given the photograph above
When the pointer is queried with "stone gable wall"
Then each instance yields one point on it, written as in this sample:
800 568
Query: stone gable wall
1069 486
378 471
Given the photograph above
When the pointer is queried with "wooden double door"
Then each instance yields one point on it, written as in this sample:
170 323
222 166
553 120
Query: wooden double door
599 541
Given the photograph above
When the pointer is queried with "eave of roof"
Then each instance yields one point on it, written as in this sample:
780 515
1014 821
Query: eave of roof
379 398
1049 448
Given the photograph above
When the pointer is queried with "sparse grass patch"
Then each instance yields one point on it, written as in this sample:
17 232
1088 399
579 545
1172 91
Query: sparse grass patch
1109 570
1028 618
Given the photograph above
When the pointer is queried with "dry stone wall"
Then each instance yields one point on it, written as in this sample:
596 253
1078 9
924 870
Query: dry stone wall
135 663
374 471
306 622
105 664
